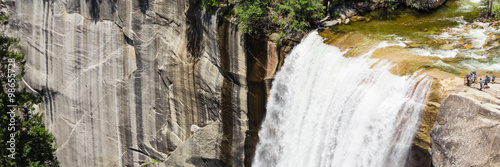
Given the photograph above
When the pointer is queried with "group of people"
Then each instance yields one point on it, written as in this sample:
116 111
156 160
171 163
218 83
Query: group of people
472 78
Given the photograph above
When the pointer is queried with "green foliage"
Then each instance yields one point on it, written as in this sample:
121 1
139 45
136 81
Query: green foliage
150 162
4 17
279 41
496 11
214 3
210 3
269 15
337 2
487 8
33 143
264 15
491 8
252 15
299 14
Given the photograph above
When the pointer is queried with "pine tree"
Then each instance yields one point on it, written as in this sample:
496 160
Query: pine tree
33 143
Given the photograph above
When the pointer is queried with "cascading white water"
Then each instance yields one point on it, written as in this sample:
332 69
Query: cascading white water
329 110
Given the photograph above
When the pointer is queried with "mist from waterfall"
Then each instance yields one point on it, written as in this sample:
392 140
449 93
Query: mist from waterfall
328 110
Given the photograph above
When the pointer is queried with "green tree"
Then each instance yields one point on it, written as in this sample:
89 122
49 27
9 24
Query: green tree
252 15
33 143
491 8
267 15
299 14
210 3
487 8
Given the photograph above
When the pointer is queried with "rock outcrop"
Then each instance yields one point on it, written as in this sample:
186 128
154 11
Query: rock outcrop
467 132
424 4
351 8
126 82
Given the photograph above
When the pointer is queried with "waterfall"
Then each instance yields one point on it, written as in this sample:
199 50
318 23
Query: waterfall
328 110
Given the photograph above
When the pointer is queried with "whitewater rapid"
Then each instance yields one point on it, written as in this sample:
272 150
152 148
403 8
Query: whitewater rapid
328 110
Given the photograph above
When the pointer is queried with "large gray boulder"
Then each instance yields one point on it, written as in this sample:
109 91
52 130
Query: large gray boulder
467 132
424 4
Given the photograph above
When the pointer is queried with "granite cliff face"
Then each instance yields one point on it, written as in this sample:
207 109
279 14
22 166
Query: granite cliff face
467 132
125 82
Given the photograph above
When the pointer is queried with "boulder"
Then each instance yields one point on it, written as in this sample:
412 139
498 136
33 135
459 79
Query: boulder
467 131
354 18
360 18
493 37
424 4
496 44
330 23
446 47
201 149
467 46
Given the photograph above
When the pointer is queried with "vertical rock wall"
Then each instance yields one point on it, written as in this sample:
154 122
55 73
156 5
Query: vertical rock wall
127 81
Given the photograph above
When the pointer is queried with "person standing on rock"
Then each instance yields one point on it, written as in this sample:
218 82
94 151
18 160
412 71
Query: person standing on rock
493 78
475 76
467 78
480 84
486 82
471 77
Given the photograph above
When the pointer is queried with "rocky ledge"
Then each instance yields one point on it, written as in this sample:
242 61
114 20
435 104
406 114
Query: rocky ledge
467 131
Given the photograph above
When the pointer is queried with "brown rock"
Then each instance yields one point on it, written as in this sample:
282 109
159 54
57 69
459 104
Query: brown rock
493 37
354 18
467 46
446 47
496 44
479 52
330 23
460 55
440 120
342 16
361 18
414 45
272 60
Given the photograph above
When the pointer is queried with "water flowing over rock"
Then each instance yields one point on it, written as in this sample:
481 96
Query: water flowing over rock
467 132
328 110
